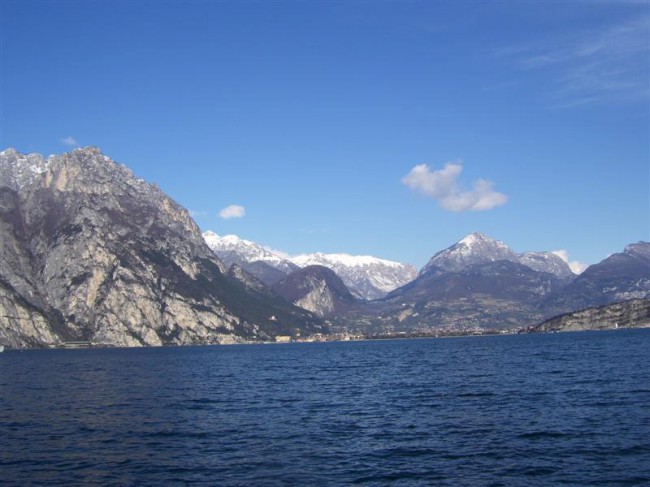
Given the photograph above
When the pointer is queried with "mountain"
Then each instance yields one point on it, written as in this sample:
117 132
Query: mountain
477 248
546 262
317 289
265 265
499 294
365 276
480 282
477 282
628 314
91 252
620 277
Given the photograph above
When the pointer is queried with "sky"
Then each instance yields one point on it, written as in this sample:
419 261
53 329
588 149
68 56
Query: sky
378 128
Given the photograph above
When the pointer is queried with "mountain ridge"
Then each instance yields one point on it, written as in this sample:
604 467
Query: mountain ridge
92 252
478 248
365 276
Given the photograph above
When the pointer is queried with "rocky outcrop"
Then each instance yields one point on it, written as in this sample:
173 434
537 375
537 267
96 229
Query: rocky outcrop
628 314
90 252
317 289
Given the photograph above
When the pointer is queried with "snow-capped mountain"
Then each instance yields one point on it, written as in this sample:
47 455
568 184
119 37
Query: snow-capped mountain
477 248
255 259
366 276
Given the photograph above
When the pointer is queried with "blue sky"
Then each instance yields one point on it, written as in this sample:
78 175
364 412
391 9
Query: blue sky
390 129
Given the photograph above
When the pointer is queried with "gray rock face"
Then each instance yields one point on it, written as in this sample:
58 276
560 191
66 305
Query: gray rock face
629 314
90 252
317 289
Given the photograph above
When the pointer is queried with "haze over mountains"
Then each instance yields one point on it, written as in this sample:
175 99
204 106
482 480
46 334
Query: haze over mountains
91 252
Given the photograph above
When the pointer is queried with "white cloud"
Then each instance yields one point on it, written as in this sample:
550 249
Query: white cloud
442 186
70 141
232 211
575 266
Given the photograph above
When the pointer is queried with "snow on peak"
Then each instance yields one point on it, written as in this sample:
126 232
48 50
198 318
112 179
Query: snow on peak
347 260
477 239
366 276
471 239
477 248
237 250
18 170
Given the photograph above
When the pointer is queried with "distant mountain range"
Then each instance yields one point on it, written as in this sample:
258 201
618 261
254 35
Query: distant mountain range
90 252
480 282
477 282
365 276
253 258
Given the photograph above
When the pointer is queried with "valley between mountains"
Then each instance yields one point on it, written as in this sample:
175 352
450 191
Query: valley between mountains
89 252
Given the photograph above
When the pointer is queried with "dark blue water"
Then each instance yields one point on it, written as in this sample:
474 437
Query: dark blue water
514 410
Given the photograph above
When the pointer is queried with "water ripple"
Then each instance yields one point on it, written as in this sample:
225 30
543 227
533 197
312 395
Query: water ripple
502 411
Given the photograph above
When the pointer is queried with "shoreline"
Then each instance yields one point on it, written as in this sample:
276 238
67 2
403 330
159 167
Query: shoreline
94 346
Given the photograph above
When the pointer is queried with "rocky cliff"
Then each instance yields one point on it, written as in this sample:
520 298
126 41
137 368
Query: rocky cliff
90 252
317 289
629 314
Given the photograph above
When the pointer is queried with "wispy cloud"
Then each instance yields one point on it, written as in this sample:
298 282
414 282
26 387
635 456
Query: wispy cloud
195 213
608 65
69 141
232 211
442 185
575 266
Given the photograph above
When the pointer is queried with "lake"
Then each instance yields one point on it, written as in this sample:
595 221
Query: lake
494 410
